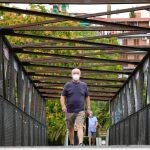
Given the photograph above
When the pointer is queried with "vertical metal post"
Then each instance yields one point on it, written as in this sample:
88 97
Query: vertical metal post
135 94
20 87
132 97
128 99
2 88
148 84
1 66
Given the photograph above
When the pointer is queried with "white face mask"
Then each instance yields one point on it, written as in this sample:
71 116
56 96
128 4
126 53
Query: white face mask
76 77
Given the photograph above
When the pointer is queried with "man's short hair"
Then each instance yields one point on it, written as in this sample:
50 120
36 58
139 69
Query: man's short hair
76 69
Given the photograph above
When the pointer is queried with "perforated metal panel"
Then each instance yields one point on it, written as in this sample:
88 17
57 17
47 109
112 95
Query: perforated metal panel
1 123
8 124
31 133
114 139
148 127
117 134
26 131
142 127
110 136
122 133
133 130
35 135
18 128
40 135
127 132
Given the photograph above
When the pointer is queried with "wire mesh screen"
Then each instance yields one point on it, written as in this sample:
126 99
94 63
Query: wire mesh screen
26 130
39 129
43 135
8 124
126 133
113 138
148 127
117 134
1 123
142 127
18 128
121 133
133 129
31 133
35 134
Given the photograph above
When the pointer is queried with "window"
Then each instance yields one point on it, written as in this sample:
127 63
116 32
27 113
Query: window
136 41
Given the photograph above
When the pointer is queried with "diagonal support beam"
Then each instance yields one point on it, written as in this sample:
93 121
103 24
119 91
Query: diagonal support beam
67 77
85 16
82 69
69 28
82 58
77 41
91 21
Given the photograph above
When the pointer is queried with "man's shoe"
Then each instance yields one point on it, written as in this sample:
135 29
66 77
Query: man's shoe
81 144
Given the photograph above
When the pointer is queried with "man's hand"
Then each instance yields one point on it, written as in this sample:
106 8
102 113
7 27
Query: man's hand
64 109
88 111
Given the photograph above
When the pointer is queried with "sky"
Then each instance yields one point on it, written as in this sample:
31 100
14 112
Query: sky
97 8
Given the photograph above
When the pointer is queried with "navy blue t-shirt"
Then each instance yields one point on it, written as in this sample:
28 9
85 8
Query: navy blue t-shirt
75 94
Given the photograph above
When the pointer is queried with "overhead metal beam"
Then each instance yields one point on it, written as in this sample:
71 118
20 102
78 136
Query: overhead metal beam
92 92
69 28
26 47
82 69
91 21
67 77
92 96
82 58
119 35
85 16
49 82
56 98
77 41
90 85
48 46
103 90
63 61
76 2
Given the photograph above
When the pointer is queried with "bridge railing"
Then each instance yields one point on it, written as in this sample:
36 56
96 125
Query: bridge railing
22 109
130 108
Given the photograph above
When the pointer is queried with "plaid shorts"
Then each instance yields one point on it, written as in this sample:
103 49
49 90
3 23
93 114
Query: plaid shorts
72 118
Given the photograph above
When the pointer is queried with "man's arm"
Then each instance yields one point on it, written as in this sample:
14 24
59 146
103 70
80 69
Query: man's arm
63 105
88 104
96 122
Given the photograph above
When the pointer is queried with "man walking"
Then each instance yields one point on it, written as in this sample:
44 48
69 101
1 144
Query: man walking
92 125
73 99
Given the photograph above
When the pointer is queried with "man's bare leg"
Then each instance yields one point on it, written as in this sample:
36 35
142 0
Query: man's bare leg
89 140
80 133
71 135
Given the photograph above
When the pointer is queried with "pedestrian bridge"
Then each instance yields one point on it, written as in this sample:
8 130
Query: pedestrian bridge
35 70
